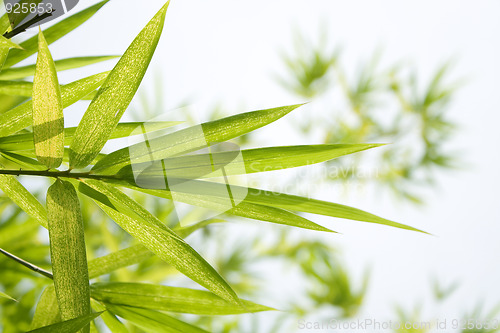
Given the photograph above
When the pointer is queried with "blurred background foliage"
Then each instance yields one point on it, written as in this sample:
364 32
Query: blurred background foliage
381 105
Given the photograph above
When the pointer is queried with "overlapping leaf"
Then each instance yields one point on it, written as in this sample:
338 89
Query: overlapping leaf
20 117
48 118
173 299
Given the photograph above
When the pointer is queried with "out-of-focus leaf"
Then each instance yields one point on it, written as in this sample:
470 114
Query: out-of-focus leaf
119 259
16 73
4 295
157 237
48 118
174 299
67 251
47 309
20 117
52 34
153 321
115 95
68 326
25 141
192 138
13 189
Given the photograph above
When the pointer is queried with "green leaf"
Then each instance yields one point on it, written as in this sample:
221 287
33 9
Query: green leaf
67 251
191 139
47 309
20 117
16 88
48 118
13 189
4 295
136 253
109 319
195 166
24 141
115 95
153 321
157 237
52 34
21 161
174 299
119 259
68 326
16 73
212 191
5 46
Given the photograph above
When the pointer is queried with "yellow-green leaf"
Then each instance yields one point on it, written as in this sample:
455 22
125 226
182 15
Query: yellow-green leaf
5 46
48 118
115 95
47 309
67 251
21 117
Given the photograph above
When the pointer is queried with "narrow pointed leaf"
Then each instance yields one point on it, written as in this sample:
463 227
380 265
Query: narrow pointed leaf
173 299
4 295
5 46
16 73
157 237
47 309
115 95
24 141
68 326
52 34
153 321
48 118
67 251
109 319
20 117
13 189
196 166
192 138
119 259
211 191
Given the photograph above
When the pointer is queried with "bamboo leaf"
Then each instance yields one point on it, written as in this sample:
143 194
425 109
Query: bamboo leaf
211 191
47 309
4 295
67 251
153 321
48 118
196 166
16 73
68 326
191 139
52 34
157 237
5 46
24 141
119 259
173 299
20 117
13 189
115 95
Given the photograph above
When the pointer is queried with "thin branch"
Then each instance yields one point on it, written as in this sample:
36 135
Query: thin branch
23 262
55 174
